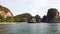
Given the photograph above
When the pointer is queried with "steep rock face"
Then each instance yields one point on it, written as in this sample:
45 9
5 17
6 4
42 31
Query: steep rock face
5 12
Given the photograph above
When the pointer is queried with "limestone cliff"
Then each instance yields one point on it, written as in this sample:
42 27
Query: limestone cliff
5 12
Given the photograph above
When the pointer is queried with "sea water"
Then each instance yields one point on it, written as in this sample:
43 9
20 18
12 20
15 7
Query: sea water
30 28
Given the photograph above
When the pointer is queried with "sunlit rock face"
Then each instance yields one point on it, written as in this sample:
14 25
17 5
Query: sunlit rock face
5 12
32 20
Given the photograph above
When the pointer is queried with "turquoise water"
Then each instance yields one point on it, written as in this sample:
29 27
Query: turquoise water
31 28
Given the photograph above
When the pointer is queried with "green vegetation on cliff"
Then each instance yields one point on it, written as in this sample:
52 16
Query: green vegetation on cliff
8 19
22 17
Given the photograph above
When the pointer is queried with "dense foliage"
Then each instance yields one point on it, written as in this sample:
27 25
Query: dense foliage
22 17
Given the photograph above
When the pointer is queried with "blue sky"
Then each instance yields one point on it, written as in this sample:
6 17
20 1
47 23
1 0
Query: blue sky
33 7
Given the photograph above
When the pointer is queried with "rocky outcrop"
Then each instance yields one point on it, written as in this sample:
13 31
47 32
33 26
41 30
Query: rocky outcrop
44 19
53 15
32 20
5 12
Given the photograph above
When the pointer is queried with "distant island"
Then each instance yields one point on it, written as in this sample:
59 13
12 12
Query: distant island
53 16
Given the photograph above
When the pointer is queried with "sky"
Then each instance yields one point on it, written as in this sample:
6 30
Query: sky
33 7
